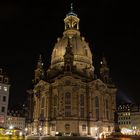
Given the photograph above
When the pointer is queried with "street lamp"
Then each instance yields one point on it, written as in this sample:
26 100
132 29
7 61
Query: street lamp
10 127
26 129
40 129
10 134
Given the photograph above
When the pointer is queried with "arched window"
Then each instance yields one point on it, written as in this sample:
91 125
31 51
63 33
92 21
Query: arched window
67 104
67 98
42 107
97 107
55 100
81 100
107 109
42 102
82 106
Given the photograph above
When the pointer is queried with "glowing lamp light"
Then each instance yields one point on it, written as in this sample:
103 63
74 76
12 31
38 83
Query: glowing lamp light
10 127
40 128
96 128
57 133
20 133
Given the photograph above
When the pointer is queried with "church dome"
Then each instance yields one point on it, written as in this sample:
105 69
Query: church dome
81 51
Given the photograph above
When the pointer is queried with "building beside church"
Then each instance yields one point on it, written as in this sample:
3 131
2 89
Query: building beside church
129 118
4 96
68 98
15 119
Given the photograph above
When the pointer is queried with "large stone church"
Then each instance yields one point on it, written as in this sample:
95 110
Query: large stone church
69 98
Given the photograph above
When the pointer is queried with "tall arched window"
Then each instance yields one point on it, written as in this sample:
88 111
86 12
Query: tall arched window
82 114
55 102
81 100
97 107
42 102
67 104
107 109
68 98
42 106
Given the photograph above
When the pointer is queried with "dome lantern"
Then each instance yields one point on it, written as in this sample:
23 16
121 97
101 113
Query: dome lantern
71 20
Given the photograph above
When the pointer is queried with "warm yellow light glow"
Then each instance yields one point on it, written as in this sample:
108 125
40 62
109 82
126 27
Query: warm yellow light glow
10 127
40 128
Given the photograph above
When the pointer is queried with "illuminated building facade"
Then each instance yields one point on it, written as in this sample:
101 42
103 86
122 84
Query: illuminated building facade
15 119
129 118
4 96
69 99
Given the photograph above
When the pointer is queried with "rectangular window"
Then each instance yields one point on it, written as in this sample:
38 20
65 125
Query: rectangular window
83 127
53 127
4 99
67 127
6 80
3 109
1 78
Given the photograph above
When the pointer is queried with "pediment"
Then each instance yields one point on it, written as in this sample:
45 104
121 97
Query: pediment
41 86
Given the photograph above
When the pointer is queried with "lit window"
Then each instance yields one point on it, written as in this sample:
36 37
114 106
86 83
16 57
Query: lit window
5 89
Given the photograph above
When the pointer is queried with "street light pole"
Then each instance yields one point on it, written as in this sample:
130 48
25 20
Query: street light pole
10 127
26 129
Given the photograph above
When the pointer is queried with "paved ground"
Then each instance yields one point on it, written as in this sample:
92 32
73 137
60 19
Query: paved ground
78 138
11 138
65 138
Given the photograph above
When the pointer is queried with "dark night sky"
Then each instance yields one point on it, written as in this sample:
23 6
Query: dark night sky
29 28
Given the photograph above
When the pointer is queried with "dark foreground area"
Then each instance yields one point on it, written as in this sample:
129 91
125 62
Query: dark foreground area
78 138
66 138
